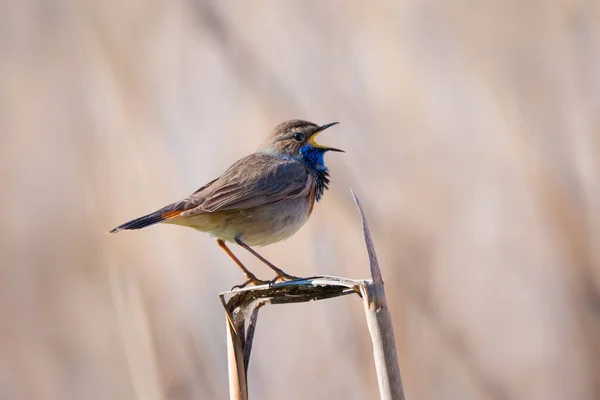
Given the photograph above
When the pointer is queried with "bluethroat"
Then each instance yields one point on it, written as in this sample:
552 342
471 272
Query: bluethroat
261 199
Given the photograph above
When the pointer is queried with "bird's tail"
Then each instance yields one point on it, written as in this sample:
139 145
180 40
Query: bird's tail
150 219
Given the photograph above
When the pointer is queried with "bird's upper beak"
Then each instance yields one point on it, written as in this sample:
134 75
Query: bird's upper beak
318 146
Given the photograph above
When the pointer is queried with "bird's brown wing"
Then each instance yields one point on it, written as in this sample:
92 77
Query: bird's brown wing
253 181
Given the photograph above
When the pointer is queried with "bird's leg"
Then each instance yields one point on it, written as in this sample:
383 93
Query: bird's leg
279 272
250 277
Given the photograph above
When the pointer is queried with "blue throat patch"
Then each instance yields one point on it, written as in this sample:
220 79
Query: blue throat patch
314 160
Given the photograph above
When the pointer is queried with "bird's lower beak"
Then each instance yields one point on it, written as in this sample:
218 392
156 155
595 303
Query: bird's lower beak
321 147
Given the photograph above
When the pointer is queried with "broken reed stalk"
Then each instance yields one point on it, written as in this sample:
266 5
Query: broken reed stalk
379 321
241 307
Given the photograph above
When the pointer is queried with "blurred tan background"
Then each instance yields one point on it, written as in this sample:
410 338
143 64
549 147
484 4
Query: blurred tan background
472 132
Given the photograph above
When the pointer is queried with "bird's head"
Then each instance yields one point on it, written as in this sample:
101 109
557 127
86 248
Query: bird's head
296 138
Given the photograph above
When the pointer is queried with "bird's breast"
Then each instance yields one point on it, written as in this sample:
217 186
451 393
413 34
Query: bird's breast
312 198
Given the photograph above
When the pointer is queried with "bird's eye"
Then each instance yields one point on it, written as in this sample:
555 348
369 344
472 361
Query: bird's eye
298 137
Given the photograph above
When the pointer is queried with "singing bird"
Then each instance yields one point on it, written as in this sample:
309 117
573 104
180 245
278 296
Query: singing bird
261 199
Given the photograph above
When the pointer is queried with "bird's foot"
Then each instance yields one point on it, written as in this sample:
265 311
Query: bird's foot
283 277
251 279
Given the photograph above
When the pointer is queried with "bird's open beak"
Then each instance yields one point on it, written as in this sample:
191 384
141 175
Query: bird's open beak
318 146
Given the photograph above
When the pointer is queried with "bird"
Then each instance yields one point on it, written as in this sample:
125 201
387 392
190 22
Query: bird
263 198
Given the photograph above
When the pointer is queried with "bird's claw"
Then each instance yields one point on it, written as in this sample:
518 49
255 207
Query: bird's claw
252 279
283 277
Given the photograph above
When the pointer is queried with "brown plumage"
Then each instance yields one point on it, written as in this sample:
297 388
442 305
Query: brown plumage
262 198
